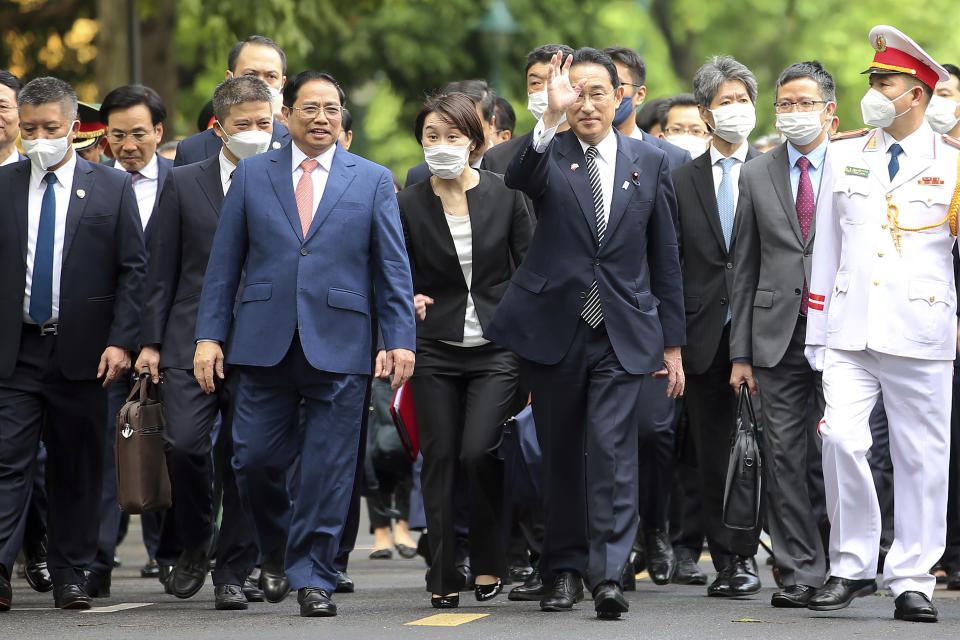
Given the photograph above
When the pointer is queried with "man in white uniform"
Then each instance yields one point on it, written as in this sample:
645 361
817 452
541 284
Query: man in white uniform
882 319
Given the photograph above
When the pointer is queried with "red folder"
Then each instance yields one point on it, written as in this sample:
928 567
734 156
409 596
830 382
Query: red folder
404 416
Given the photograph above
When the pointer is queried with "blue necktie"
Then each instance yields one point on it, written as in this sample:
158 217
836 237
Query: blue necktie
41 288
894 166
725 204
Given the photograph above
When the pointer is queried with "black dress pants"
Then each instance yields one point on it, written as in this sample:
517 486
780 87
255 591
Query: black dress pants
462 396
73 414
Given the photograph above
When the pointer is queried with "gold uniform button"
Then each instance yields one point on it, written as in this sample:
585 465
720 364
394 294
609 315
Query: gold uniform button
883 226
880 254
933 298
876 283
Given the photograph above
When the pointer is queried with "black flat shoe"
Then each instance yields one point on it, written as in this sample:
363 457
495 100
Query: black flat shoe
273 581
315 603
531 590
840 592
70 596
485 592
608 601
445 602
914 606
406 552
97 585
344 583
567 590
382 554
229 597
796 596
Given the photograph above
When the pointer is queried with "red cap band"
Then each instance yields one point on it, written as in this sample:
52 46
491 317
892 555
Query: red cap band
891 59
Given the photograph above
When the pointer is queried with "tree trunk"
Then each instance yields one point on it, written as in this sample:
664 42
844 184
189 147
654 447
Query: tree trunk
112 64
159 61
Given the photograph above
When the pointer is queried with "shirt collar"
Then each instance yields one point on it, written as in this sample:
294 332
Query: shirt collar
152 170
325 159
740 154
637 133
916 145
226 167
64 173
815 157
606 148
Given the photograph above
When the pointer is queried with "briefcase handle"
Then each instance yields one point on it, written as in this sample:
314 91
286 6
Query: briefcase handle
744 398
142 387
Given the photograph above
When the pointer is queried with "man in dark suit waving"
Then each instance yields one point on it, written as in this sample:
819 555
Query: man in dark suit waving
72 264
317 231
594 309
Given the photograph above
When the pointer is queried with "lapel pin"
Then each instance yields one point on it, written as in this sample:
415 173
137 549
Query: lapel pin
276 144
81 194
625 185
574 166
636 178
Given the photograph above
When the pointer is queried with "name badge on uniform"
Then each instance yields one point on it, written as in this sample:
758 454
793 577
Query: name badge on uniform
929 180
856 171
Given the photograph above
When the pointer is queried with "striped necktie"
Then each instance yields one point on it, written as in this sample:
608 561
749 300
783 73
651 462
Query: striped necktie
592 313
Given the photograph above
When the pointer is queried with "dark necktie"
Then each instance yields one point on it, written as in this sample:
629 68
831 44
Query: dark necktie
592 313
41 287
894 166
805 209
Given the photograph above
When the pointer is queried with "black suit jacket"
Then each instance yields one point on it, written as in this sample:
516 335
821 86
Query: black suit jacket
706 263
102 269
185 223
498 158
201 146
501 231
417 174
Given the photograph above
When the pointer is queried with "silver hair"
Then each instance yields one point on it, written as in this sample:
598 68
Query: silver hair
49 89
715 72
237 90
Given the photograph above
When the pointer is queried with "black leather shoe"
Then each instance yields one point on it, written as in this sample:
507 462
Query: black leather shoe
251 591
229 597
445 602
953 581
567 590
97 585
688 571
608 601
315 603
70 596
468 578
840 592
484 592
519 573
744 580
914 606
531 590
150 570
6 593
190 572
35 567
796 596
629 579
166 571
273 580
720 587
661 562
344 583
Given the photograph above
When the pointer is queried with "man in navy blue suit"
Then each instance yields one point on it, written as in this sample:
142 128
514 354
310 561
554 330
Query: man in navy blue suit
315 232
595 308
256 56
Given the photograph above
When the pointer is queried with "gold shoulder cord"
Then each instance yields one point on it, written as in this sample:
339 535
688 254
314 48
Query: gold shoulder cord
893 214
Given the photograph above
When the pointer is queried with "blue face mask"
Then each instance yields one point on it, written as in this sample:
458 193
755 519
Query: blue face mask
624 111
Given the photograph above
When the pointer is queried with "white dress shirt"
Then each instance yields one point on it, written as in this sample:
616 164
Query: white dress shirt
319 174
145 188
62 190
606 158
10 159
741 156
226 171
637 134
462 234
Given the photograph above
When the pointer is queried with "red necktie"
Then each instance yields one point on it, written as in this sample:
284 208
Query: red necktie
805 209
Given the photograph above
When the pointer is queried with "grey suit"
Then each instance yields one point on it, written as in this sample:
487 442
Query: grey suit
772 263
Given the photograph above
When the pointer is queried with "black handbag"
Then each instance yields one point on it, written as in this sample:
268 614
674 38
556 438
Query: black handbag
741 497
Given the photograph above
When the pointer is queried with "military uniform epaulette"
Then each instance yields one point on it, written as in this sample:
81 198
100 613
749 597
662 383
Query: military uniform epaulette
853 133
950 140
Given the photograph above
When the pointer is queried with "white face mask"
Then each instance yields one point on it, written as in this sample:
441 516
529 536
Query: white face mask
244 144
537 103
734 122
878 110
46 152
446 161
694 144
942 114
801 128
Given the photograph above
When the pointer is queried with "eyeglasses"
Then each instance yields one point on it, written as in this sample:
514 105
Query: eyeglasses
596 97
312 111
785 106
677 130
118 137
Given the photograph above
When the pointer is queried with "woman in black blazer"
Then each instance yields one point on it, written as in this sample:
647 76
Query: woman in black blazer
466 233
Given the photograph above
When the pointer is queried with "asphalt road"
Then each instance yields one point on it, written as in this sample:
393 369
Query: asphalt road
390 600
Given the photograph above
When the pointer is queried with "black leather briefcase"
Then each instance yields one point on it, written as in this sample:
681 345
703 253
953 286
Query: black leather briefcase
143 484
741 497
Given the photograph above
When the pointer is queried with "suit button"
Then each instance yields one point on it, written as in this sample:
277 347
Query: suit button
796 292
583 295
880 254
729 265
807 254
303 252
723 301
596 262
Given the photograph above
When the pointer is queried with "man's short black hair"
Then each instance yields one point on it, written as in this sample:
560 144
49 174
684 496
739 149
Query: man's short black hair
679 100
263 41
478 91
813 70
131 95
506 118
292 88
9 80
952 69
631 60
649 114
544 53
346 121
589 55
